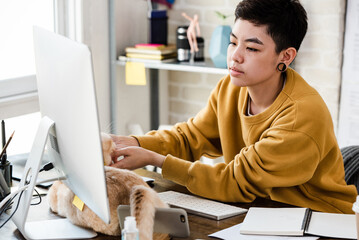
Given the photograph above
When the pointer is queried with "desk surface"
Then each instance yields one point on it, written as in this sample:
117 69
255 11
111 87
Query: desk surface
200 227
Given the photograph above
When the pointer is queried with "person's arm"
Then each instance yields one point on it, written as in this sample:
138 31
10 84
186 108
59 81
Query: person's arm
188 141
122 141
281 159
192 139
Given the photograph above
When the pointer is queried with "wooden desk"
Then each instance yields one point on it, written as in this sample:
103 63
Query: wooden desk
200 227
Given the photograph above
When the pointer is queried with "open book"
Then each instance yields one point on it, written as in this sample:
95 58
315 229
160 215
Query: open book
298 222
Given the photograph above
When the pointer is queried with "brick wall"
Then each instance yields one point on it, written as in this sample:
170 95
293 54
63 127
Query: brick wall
319 59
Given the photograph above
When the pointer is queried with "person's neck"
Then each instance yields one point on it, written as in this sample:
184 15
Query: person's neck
263 95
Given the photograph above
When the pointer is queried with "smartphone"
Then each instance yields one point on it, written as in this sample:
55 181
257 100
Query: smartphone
173 221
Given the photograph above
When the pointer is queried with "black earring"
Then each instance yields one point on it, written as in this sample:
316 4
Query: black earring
281 67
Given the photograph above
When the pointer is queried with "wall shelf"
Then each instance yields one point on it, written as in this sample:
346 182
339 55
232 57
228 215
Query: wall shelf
154 68
201 67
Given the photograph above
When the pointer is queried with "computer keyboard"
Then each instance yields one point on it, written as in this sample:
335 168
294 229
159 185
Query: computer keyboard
200 206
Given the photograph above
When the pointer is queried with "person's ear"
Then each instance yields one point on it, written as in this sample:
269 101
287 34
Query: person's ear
287 55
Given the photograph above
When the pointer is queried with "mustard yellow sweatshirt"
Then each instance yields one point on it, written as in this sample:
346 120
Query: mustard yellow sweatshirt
288 153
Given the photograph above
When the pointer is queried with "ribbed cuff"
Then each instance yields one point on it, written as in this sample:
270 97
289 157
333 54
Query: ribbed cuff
176 170
150 142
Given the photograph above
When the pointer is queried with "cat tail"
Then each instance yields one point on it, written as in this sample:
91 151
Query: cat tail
144 201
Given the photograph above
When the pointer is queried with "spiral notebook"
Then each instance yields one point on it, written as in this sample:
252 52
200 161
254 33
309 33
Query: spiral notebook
298 222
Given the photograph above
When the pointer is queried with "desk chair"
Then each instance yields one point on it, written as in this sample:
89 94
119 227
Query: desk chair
351 164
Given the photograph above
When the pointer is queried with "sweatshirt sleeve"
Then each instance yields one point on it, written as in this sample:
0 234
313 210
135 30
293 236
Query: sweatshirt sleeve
269 163
189 140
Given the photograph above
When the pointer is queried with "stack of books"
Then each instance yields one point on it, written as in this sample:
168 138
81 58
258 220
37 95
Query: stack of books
152 52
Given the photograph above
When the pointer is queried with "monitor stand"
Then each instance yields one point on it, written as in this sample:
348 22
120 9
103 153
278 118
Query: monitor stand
60 228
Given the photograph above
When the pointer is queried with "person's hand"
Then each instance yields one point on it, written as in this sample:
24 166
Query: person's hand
124 141
137 157
121 142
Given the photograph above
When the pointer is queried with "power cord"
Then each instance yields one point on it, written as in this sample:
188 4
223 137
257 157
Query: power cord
47 167
6 203
17 206
37 195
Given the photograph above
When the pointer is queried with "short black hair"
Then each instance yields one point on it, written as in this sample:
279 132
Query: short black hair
286 20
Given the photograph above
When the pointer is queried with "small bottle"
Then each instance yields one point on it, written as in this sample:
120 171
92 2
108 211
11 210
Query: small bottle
130 231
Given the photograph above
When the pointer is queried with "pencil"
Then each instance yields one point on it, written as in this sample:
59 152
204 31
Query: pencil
4 149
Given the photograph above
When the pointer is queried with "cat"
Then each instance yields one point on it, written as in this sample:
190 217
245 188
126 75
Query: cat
124 187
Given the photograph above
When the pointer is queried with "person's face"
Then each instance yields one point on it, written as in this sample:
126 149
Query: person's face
251 56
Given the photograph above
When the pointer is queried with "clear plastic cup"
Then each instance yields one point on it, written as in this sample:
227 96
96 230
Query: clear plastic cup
356 210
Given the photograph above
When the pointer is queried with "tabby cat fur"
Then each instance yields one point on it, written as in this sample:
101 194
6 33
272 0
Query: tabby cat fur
123 188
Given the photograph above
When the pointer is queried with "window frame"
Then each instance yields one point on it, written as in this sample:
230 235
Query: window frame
18 95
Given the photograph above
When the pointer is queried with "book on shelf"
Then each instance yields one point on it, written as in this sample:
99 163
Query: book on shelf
149 56
150 46
140 49
298 222
146 60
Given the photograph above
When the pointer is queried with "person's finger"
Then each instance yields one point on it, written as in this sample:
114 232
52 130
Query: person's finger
114 138
124 164
118 153
116 159
118 164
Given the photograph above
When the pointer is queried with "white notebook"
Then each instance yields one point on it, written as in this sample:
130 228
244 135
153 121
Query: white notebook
298 222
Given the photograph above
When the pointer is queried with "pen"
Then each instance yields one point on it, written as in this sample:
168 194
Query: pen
4 149
3 133
4 157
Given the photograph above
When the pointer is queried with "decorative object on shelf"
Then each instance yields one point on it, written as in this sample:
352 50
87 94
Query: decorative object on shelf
190 46
157 33
183 48
219 43
158 27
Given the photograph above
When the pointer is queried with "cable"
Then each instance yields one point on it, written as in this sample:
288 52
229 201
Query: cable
4 201
47 167
7 205
51 180
8 200
18 202
39 196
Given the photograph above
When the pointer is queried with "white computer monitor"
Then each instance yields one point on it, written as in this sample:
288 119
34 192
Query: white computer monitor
68 105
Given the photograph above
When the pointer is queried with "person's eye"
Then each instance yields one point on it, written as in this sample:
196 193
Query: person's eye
232 43
252 49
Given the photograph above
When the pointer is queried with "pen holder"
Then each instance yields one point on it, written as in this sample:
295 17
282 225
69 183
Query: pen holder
6 170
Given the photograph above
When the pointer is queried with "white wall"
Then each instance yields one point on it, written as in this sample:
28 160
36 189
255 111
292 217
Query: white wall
96 36
319 60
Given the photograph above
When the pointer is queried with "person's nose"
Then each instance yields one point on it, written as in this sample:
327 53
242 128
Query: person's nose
237 54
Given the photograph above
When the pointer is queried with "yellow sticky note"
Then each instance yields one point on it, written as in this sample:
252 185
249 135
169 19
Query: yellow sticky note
135 73
78 203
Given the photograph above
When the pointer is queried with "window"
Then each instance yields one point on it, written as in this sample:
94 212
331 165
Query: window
17 75
18 91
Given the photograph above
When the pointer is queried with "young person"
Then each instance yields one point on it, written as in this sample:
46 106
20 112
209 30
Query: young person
273 129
